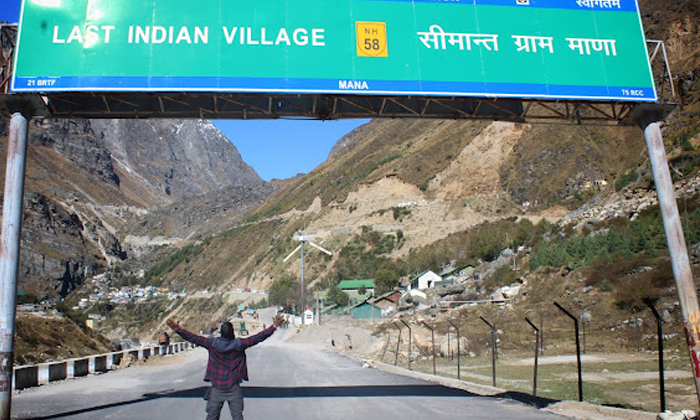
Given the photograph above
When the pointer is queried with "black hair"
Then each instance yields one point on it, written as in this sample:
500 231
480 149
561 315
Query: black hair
227 330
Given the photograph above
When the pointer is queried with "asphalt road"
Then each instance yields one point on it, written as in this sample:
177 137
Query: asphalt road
289 382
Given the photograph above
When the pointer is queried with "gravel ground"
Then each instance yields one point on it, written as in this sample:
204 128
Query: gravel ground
333 336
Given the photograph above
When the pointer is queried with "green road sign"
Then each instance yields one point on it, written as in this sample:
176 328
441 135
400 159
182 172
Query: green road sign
570 49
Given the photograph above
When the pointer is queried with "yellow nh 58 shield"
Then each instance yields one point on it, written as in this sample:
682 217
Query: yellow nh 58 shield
371 39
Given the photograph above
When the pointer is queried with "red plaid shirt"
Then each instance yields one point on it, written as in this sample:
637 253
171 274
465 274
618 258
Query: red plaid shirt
227 362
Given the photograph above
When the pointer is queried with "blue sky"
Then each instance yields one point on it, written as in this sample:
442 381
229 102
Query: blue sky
284 148
9 11
274 148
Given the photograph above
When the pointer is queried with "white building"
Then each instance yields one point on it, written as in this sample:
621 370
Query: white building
424 280
308 317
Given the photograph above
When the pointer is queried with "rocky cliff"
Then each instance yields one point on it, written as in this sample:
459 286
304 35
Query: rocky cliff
87 181
173 159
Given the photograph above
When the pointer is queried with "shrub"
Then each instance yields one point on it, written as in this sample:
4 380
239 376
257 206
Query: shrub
184 254
400 211
385 279
78 317
25 298
633 293
337 296
606 286
284 291
626 179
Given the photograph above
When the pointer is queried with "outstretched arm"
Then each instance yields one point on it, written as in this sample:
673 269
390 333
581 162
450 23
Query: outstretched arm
192 338
262 335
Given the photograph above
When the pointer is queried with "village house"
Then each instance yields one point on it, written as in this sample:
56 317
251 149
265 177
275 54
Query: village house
424 280
388 302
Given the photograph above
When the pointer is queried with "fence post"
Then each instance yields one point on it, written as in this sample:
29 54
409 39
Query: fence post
660 338
578 350
432 335
398 344
493 349
410 342
537 351
388 339
458 349
449 351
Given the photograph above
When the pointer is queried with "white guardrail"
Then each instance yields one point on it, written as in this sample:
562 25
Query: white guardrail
28 376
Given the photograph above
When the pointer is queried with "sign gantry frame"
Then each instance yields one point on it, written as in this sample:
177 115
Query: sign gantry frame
241 105
251 106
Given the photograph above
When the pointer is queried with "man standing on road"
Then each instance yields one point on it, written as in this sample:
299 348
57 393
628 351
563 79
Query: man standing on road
227 366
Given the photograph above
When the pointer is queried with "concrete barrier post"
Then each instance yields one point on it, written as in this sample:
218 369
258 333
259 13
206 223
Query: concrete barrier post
70 369
44 373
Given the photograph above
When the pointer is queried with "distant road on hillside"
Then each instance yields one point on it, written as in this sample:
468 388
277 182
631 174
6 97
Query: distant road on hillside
290 382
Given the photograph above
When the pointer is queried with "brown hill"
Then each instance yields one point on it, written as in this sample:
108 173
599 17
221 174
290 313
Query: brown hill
425 180
87 180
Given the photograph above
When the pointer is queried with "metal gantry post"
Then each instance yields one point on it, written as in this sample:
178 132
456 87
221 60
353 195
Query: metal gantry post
432 335
9 252
680 262
537 352
458 349
410 342
578 350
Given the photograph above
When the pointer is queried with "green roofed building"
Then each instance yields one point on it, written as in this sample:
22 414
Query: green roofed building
352 285
352 288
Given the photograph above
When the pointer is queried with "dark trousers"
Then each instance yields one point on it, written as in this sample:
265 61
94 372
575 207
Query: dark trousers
217 397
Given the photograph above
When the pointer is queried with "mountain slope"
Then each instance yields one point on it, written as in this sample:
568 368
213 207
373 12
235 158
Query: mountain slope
422 181
86 181
173 159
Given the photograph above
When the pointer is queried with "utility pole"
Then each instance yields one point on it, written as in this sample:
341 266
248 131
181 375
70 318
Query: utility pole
302 241
318 306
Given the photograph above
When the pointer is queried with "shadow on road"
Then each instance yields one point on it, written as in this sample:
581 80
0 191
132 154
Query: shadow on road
367 391
385 391
353 391
185 393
